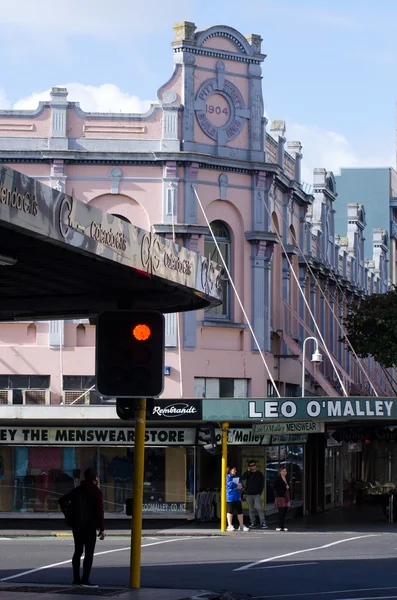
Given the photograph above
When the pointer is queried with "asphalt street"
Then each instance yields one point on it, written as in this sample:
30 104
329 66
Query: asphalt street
334 566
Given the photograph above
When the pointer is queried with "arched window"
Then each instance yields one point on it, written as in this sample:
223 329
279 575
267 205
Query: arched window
80 335
222 237
32 333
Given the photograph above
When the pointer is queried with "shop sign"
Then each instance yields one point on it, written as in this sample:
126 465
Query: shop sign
164 507
182 410
299 409
289 439
243 437
101 436
295 427
49 213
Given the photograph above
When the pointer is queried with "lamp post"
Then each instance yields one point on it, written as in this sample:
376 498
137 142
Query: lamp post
317 357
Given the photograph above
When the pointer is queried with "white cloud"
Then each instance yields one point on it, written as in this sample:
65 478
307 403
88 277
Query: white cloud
103 98
330 150
4 103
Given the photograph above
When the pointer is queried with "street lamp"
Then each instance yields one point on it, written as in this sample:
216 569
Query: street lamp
317 357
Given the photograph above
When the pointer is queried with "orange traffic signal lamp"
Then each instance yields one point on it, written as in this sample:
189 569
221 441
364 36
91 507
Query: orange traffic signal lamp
141 332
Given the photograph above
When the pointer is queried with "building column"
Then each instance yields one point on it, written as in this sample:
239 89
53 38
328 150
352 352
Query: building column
302 305
258 257
59 104
313 306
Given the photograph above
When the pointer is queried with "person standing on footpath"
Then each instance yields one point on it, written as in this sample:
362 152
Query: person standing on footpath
282 500
254 484
83 509
233 499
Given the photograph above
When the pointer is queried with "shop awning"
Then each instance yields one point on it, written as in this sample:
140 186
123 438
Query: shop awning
62 258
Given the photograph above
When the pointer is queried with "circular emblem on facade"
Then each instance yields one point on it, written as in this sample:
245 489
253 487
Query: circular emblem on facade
169 97
220 109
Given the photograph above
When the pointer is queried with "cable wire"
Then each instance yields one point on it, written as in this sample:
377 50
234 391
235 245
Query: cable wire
235 291
306 302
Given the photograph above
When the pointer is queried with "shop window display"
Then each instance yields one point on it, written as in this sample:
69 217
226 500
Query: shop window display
32 478
291 457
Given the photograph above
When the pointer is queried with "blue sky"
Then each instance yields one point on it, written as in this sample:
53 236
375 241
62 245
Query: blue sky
329 72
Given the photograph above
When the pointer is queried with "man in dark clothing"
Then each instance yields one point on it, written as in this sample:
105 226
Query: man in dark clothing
254 484
84 504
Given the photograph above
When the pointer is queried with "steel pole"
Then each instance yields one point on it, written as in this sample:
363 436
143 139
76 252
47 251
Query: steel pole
137 494
225 431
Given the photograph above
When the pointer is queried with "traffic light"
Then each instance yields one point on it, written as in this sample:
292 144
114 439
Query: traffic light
126 408
130 353
206 434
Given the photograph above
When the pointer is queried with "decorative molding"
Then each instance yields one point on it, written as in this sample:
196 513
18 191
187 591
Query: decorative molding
222 87
223 183
17 127
115 175
169 97
127 130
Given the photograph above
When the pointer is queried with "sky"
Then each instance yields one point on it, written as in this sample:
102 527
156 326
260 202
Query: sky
329 72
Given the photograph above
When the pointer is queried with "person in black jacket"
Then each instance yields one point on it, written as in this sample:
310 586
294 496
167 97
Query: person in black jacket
282 497
255 482
83 508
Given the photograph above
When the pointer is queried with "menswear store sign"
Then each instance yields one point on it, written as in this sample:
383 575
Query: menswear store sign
104 436
117 436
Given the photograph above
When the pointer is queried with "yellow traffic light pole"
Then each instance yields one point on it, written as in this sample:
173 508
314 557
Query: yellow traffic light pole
137 493
225 430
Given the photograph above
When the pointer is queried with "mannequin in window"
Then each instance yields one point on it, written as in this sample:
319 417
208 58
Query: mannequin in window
100 465
120 468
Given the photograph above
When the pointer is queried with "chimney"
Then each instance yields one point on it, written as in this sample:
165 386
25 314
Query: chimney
294 148
277 131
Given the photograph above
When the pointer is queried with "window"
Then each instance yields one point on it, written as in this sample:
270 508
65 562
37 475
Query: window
291 390
271 391
222 237
24 382
78 382
224 387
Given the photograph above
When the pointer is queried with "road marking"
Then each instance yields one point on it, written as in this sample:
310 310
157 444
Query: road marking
333 593
65 562
271 558
369 598
301 564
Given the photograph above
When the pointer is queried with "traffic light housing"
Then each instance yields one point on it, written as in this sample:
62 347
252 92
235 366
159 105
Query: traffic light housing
130 353
126 408
206 434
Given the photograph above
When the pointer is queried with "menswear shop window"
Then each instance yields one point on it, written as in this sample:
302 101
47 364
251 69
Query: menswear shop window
24 382
222 237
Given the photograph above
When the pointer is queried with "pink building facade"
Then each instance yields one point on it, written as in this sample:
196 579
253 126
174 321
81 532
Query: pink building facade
203 153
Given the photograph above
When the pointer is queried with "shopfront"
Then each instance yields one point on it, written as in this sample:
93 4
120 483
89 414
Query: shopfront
39 464
270 452
365 457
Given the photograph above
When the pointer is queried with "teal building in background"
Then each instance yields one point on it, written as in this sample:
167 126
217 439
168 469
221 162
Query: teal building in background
376 189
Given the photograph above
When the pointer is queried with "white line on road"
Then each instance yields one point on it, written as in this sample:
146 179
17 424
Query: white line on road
65 562
333 593
300 564
271 558
369 598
